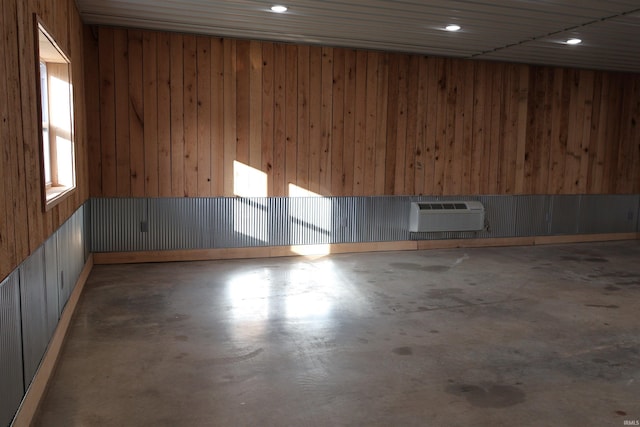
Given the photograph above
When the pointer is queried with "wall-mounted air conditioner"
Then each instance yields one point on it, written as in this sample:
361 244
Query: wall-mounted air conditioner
446 216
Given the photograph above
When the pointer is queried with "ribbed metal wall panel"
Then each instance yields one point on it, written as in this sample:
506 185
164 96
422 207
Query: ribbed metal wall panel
532 215
70 255
180 223
11 378
52 283
115 224
33 298
86 218
198 223
608 213
565 214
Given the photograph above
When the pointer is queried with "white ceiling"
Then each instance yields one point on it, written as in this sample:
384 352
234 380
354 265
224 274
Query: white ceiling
530 31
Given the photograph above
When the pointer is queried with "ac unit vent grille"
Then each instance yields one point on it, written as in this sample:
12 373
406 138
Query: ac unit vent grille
449 216
438 206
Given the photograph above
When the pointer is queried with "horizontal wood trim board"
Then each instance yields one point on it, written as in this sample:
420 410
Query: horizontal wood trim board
320 250
30 403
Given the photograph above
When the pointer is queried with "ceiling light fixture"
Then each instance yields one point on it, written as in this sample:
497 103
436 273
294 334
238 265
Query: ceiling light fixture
452 27
279 9
574 41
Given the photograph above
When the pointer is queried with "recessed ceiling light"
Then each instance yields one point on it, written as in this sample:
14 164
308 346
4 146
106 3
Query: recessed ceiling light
279 8
574 41
452 27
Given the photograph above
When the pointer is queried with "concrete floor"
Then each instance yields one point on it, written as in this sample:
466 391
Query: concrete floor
524 336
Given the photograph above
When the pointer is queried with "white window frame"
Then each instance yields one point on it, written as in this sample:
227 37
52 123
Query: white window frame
55 111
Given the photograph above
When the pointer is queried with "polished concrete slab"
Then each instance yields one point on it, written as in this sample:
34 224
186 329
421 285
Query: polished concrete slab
526 336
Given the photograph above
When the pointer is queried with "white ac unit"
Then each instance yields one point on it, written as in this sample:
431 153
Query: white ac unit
446 216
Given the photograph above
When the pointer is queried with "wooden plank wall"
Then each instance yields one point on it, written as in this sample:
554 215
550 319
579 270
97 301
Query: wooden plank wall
23 224
344 122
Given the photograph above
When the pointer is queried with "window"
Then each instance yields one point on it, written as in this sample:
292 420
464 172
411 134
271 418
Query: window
56 119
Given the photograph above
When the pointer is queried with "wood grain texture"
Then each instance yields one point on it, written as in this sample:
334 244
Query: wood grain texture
24 225
342 122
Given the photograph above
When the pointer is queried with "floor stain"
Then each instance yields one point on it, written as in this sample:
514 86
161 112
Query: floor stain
621 413
601 306
596 259
612 288
403 351
182 338
488 396
241 358
406 266
418 267
178 317
437 268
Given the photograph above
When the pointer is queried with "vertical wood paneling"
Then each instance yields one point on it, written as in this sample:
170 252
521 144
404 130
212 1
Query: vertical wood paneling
230 135
371 122
440 118
150 124
337 139
279 120
217 117
401 127
393 113
382 106
24 225
410 150
122 143
190 55
7 227
107 113
360 124
164 114
136 115
349 122
467 127
326 120
337 121
177 116
203 60
521 126
255 105
302 169
242 101
31 156
93 117
291 117
268 113
315 111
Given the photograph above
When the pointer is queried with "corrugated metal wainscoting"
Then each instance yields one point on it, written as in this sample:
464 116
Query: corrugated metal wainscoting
139 224
11 376
32 298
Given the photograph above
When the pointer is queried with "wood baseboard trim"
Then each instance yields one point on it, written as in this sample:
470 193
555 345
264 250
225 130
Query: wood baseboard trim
253 252
31 401
321 250
585 238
